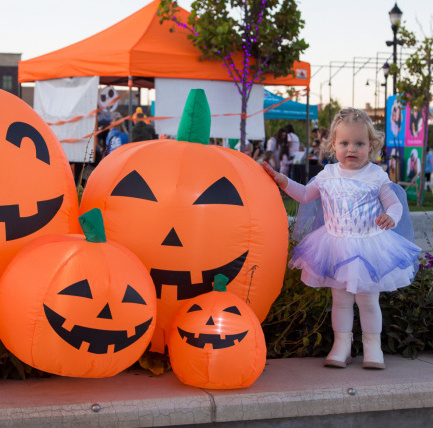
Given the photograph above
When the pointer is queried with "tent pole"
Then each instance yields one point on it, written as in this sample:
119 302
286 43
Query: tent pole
307 145
130 109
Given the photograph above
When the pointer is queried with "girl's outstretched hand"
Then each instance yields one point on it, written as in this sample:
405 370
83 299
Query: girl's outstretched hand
280 179
384 221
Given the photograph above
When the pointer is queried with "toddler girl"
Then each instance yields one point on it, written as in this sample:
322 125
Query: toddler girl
355 253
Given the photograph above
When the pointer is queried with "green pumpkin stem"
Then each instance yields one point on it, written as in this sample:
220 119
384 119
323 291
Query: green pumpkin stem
220 282
92 224
195 123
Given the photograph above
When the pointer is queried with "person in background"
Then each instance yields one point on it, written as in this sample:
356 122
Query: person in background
314 133
274 143
284 160
323 137
142 131
315 152
292 140
269 158
117 135
138 110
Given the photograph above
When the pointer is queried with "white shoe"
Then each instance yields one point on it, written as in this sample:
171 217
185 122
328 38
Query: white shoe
340 354
373 355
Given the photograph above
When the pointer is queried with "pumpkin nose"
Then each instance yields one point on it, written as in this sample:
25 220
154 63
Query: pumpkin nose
105 313
210 321
172 239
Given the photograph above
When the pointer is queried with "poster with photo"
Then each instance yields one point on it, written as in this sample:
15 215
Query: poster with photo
414 134
395 156
395 123
412 169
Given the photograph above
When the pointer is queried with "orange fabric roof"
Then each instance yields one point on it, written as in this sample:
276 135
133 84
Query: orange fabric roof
141 47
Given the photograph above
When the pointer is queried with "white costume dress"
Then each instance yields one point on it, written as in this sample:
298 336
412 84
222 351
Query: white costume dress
350 251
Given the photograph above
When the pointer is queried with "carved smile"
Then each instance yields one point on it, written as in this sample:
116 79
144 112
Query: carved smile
214 339
182 279
98 340
19 227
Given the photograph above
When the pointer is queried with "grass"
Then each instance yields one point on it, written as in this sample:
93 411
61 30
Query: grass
427 204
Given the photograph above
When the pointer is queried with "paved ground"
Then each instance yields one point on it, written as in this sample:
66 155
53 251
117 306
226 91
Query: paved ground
288 391
422 224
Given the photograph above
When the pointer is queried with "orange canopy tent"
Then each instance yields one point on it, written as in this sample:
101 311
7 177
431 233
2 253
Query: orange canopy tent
140 47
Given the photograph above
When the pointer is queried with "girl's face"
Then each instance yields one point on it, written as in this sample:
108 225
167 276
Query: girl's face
352 145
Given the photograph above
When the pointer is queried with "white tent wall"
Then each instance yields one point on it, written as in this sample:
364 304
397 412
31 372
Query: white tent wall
63 99
223 98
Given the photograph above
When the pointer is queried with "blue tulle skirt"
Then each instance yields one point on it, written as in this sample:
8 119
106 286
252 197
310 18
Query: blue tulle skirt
383 262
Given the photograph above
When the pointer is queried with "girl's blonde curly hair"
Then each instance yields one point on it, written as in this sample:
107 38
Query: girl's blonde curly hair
350 116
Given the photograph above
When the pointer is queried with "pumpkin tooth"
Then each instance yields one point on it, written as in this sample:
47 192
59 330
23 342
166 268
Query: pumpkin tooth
223 336
196 335
130 332
84 346
68 325
196 277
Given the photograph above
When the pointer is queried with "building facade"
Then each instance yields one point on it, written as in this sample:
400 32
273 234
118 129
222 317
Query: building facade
9 72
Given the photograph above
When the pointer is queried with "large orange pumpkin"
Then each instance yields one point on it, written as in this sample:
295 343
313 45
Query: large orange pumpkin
189 212
38 194
77 306
216 342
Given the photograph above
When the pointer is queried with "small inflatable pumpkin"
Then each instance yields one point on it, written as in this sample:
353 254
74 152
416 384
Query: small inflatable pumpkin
216 341
77 305
190 211
38 194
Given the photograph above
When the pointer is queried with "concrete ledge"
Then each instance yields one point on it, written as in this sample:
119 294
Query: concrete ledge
290 390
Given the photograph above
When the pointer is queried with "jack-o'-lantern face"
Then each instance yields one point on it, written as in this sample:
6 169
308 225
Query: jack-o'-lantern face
221 192
216 336
38 194
98 340
216 341
191 212
90 310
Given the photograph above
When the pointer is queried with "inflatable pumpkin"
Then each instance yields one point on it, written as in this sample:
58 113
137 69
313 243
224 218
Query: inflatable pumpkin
38 194
190 211
216 341
77 305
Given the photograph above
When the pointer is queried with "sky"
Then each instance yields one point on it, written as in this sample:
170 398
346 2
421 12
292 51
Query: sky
338 31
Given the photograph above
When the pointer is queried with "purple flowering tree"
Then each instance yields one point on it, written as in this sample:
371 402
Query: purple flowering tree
265 31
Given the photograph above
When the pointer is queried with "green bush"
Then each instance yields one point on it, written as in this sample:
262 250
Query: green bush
408 314
299 322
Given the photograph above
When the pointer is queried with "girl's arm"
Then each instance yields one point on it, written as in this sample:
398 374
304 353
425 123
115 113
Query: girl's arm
393 208
297 191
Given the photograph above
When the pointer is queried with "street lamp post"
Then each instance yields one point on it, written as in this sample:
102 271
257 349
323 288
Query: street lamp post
385 69
395 15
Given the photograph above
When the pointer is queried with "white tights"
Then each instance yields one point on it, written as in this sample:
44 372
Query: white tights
369 311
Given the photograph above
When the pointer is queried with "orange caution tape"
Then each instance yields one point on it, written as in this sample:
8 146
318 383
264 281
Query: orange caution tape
154 118
76 118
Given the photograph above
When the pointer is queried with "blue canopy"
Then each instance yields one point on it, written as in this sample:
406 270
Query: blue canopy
288 110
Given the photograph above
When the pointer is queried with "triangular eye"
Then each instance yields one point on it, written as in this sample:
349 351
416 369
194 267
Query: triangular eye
194 308
232 310
221 192
79 289
133 185
132 296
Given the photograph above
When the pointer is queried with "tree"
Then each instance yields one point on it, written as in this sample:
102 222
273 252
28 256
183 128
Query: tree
327 113
414 85
266 32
